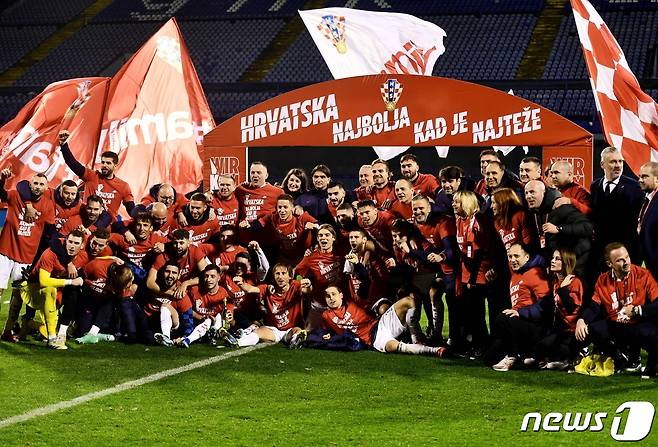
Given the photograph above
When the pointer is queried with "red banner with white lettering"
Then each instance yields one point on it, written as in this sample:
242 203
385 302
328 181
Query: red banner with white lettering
401 110
157 115
29 141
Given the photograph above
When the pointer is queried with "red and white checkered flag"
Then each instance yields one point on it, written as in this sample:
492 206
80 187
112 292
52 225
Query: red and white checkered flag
628 115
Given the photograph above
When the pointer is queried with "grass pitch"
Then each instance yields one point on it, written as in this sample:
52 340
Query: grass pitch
277 397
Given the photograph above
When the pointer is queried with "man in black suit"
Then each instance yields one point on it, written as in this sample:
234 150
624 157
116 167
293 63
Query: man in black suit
647 223
616 203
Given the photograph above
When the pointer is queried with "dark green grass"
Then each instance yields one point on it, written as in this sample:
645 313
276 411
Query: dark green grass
274 396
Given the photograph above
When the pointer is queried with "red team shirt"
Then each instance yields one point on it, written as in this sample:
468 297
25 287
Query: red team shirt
351 318
519 231
19 240
528 287
258 202
638 288
401 210
435 231
201 232
293 239
245 303
471 237
426 184
95 273
113 192
380 230
188 263
383 197
575 291
137 252
323 269
226 210
284 311
210 304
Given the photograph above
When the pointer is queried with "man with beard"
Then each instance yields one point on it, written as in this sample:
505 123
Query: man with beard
210 307
647 222
20 237
198 222
172 313
291 231
382 191
622 311
147 245
103 183
190 258
425 184
401 206
345 222
366 274
335 198
92 216
224 201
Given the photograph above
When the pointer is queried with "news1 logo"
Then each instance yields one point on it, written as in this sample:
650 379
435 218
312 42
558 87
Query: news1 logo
632 421
223 166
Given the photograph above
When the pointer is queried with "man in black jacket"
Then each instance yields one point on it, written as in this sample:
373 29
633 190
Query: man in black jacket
616 203
563 226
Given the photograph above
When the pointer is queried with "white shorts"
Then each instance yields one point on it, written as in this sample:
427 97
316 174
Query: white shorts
278 335
389 328
10 270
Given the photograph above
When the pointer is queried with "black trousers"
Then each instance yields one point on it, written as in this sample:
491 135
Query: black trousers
610 336
518 335
558 345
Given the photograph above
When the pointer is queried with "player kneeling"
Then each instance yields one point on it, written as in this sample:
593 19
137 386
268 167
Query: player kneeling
380 334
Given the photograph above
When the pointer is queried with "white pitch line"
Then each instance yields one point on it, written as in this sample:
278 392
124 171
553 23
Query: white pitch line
48 409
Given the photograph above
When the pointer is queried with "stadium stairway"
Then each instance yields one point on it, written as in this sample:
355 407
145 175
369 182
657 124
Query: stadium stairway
9 76
271 54
542 40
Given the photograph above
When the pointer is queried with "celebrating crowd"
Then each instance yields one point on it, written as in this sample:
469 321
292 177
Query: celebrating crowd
535 271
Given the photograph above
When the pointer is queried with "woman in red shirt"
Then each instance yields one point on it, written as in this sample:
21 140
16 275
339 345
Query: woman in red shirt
559 348
510 219
475 232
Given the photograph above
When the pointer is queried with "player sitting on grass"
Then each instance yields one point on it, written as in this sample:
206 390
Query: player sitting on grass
173 313
212 309
378 333
285 313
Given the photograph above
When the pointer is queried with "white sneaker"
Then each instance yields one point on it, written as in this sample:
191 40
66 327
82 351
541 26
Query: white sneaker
58 343
558 366
106 337
505 364
163 339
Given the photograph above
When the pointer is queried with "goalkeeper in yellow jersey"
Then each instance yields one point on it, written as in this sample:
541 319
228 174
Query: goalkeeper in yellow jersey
49 274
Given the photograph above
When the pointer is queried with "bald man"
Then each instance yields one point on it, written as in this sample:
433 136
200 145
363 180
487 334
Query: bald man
561 174
563 226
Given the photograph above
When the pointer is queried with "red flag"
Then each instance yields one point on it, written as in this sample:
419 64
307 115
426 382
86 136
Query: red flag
156 116
29 141
628 115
